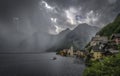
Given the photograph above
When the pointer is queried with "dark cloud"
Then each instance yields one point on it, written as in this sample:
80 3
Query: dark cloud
22 20
10 7
107 9
21 24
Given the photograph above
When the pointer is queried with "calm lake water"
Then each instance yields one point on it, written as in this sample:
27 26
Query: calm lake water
39 65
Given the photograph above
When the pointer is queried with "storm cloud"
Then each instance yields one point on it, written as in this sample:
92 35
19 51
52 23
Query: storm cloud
59 14
31 22
94 12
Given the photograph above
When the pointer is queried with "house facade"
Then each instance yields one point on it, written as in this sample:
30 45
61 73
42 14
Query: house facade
80 54
116 38
97 40
96 53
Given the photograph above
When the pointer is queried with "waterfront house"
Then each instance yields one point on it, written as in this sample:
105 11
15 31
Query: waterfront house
112 47
80 54
98 39
67 52
63 52
96 53
116 38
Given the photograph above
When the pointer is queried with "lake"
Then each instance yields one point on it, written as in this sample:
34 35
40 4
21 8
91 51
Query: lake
40 65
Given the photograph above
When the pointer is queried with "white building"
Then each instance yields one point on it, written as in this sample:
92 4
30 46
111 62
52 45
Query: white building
70 51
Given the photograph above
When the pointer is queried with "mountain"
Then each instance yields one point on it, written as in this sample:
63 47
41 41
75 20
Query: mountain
58 41
111 28
40 41
80 36
77 38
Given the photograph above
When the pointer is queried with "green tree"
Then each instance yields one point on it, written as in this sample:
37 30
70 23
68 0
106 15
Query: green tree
109 66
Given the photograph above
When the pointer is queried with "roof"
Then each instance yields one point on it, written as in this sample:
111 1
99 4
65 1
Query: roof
103 38
97 48
115 35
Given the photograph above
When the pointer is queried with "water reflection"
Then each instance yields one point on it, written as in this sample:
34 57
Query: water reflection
79 61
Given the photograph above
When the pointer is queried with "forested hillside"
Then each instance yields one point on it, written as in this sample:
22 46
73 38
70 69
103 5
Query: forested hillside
111 28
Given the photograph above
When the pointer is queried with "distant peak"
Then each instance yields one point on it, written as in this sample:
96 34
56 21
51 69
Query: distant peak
83 24
65 31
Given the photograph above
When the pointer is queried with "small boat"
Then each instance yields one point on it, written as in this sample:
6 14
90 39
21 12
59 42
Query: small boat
54 58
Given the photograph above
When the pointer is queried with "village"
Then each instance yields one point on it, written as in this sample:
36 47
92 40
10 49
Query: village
98 48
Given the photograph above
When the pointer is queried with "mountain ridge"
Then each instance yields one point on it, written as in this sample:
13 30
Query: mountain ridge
77 37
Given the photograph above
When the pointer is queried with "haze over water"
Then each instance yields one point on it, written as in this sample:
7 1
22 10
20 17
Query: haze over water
39 65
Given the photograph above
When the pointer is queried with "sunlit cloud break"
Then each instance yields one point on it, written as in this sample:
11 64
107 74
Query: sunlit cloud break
58 29
70 14
46 5
74 17
54 20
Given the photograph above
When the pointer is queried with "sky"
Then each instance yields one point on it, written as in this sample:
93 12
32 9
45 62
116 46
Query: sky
54 16
20 20
70 13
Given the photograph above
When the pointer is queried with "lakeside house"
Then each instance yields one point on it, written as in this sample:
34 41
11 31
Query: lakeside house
71 52
115 38
98 39
96 53
67 52
63 52
98 44
101 46
80 53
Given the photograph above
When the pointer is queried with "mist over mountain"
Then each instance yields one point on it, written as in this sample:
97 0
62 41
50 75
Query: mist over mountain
82 34
77 38
42 41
